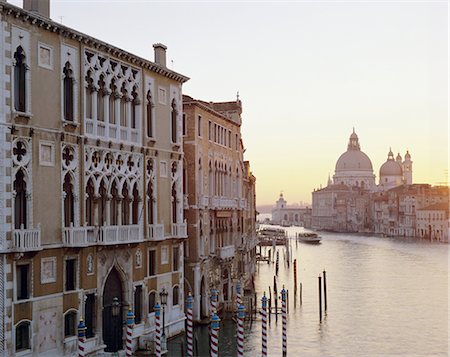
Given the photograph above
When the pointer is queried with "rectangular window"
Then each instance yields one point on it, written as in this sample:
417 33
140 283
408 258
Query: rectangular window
199 125
89 311
184 124
23 278
209 130
237 142
71 274
138 304
229 139
176 258
151 262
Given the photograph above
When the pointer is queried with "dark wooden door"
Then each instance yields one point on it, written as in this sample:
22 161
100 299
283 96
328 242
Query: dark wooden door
112 325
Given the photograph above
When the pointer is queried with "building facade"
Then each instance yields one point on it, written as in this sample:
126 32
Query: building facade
291 215
91 160
433 222
220 192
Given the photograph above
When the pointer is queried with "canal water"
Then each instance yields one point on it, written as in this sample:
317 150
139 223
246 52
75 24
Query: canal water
386 297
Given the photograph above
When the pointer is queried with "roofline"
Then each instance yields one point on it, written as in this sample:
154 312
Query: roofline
50 25
200 104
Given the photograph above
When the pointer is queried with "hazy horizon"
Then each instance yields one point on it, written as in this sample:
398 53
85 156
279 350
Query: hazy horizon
306 72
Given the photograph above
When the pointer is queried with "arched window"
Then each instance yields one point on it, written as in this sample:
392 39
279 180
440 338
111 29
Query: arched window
102 204
68 201
174 204
149 108
20 68
135 213
88 96
114 205
112 102
20 201
123 107
125 206
68 92
175 295
101 99
174 115
151 302
90 203
134 106
23 336
70 320
150 203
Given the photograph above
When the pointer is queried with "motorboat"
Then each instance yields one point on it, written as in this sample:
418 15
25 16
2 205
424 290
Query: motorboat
309 237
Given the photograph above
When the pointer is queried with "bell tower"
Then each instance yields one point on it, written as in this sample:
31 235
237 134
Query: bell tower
407 169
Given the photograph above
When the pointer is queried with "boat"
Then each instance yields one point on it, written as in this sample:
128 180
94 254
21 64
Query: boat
267 235
309 237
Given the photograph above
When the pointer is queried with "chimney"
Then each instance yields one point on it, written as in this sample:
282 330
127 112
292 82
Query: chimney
42 7
160 54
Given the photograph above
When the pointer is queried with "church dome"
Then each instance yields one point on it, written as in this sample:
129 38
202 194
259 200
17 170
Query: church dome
391 167
353 159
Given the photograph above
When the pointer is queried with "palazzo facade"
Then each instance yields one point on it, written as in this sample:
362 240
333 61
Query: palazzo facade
91 178
220 194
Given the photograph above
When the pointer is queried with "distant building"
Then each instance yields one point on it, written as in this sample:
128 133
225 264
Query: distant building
433 222
291 215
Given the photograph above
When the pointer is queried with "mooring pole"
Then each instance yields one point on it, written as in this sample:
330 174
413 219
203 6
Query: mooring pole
325 289
320 298
301 294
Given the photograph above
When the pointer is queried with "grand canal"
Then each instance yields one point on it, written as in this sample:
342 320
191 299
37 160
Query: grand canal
386 297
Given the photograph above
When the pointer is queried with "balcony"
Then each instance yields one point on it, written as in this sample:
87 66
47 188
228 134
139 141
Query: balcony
155 232
226 252
203 201
79 236
120 234
223 202
26 240
243 203
179 230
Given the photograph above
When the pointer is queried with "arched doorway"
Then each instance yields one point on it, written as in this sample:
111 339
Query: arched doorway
112 316
203 313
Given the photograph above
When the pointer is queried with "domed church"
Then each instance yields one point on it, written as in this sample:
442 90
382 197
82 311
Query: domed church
396 172
354 167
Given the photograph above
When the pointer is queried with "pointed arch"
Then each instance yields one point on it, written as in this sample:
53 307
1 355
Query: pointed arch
20 82
68 92
173 121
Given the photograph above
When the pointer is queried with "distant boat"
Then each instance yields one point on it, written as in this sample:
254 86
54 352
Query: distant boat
267 235
309 237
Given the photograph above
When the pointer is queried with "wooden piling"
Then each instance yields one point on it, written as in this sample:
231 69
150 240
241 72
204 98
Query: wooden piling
301 294
320 298
325 289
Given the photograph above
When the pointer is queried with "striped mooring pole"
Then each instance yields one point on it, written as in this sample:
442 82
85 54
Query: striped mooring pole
214 297
240 334
284 317
214 339
264 325
190 347
81 338
238 294
130 325
158 330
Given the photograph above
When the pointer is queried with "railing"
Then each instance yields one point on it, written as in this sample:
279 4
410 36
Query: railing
179 230
155 232
79 236
203 201
243 203
223 202
226 252
120 234
25 240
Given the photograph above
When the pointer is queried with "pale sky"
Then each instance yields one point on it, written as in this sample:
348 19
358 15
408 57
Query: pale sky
307 73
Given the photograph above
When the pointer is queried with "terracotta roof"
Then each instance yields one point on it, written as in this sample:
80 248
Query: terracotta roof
442 206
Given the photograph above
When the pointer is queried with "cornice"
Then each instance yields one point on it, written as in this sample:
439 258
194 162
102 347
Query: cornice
210 110
49 25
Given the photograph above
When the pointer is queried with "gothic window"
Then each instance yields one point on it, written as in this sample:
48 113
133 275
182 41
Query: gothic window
125 206
175 295
20 68
68 92
102 204
70 320
112 102
149 115
20 201
174 114
90 203
123 107
135 211
134 106
88 94
114 204
174 204
101 99
68 201
150 202
23 336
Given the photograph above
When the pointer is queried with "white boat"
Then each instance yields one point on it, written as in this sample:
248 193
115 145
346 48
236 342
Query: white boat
267 235
309 237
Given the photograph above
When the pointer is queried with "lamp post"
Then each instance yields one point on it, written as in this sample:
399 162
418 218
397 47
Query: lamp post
115 309
163 297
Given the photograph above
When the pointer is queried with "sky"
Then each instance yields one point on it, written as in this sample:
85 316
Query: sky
307 72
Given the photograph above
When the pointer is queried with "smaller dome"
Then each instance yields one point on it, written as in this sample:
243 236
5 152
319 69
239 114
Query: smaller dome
391 168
